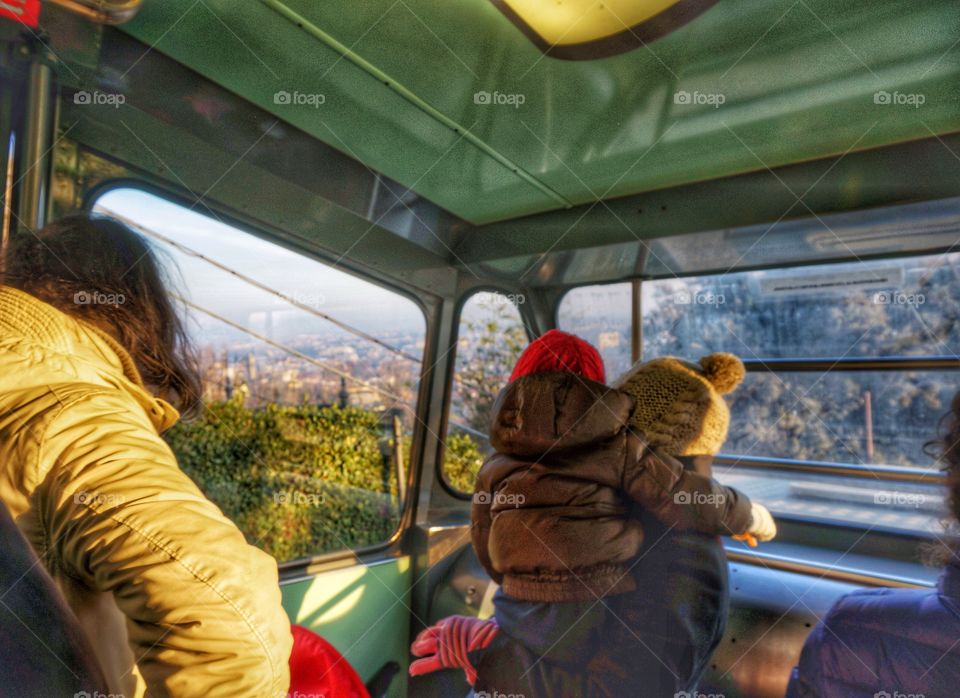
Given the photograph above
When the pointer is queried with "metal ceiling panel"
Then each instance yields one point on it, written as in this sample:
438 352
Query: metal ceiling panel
451 100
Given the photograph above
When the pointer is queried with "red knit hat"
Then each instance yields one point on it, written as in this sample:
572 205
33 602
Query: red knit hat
560 352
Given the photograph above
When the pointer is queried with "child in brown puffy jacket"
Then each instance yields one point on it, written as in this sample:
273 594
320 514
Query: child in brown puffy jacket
551 513
556 524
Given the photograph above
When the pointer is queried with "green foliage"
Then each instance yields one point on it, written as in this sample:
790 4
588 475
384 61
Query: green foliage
490 344
298 481
462 461
492 337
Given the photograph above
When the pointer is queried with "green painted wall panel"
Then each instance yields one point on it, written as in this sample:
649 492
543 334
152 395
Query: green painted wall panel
798 82
362 610
258 54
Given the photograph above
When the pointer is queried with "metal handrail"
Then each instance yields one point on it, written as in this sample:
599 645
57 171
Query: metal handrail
102 11
832 572
886 363
882 472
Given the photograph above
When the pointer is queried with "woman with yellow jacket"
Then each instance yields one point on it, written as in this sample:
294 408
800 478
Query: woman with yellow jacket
92 359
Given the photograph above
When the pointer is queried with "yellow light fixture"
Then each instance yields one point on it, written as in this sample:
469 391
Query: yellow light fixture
581 29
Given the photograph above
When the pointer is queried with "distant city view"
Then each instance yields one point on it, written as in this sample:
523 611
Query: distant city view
263 374
272 326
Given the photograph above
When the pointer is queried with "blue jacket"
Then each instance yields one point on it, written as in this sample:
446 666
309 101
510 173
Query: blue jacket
885 642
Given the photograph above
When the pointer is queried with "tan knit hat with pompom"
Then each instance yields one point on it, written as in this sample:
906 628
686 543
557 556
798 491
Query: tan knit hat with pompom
679 405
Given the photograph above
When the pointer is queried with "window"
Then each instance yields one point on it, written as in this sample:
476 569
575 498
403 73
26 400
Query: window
602 315
803 329
491 337
310 382
906 307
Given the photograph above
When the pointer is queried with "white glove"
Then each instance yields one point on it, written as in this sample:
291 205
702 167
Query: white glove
762 525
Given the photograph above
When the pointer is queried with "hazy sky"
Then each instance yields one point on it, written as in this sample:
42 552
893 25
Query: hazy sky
329 290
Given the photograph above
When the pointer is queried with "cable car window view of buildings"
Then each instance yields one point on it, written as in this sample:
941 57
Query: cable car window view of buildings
310 382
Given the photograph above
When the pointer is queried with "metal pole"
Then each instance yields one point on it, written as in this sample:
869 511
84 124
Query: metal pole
398 462
102 11
37 137
8 196
11 99
636 322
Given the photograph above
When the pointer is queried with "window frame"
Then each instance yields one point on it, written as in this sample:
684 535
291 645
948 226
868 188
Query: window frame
302 567
636 312
883 473
462 301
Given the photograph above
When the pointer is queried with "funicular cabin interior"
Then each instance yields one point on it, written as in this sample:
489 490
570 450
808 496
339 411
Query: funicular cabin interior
375 205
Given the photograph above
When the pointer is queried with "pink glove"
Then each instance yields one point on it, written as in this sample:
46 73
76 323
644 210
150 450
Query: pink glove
446 644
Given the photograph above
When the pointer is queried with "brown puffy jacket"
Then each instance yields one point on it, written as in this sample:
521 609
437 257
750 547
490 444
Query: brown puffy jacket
551 508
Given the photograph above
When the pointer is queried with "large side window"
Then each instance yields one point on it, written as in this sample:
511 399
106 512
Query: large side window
310 383
490 338
602 316
849 365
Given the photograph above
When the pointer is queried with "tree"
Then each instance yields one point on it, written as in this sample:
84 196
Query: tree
491 340
490 344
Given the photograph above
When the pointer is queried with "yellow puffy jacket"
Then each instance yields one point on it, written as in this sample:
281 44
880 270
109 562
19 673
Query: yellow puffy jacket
173 599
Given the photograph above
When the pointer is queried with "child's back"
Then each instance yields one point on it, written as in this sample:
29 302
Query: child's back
551 511
668 635
550 520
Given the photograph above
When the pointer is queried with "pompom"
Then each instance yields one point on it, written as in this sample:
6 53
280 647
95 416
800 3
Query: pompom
724 371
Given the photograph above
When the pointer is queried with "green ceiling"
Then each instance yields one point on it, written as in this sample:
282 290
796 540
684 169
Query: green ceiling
399 78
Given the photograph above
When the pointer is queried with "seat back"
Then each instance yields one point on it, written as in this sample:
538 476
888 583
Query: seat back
43 650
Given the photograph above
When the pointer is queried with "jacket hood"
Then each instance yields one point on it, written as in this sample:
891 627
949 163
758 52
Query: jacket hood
546 412
41 346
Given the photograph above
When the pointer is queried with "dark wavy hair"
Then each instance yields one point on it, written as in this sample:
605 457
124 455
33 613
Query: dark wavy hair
75 262
947 451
